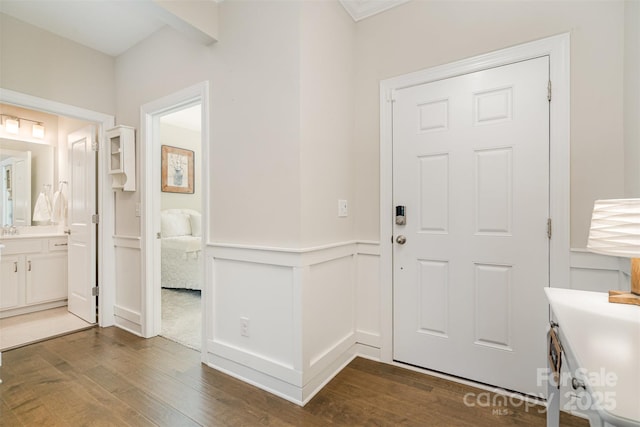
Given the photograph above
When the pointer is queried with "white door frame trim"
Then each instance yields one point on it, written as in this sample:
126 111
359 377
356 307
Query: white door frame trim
557 48
150 162
106 253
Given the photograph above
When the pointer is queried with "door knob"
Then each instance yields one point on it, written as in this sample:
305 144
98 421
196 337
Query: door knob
401 240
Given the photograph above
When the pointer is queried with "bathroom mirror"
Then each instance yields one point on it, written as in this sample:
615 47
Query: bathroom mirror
26 168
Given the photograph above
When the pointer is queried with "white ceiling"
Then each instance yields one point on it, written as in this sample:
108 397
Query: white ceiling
109 26
114 26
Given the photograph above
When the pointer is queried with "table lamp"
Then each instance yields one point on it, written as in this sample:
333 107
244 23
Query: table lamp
615 230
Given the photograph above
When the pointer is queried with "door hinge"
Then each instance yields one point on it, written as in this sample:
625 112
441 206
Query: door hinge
549 91
391 96
549 229
95 291
95 218
95 146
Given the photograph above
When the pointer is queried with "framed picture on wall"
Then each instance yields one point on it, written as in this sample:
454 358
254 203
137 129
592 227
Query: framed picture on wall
177 170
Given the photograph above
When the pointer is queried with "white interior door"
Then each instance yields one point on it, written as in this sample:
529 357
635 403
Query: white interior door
82 237
471 165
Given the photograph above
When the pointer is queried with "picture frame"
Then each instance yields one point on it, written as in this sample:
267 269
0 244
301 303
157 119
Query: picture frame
177 170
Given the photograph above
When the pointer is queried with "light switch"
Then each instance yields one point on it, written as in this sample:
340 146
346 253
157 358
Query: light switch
343 209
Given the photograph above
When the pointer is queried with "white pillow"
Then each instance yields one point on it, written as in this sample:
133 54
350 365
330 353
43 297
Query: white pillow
175 224
196 224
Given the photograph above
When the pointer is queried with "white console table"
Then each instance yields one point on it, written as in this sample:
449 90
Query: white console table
600 357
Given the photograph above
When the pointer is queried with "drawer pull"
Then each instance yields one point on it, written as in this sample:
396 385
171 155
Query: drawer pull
61 244
15 266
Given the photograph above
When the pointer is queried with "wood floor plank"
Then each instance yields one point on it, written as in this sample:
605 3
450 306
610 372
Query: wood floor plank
7 416
107 376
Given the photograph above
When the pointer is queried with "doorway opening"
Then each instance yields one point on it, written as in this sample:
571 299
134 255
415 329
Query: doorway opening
181 259
174 135
39 272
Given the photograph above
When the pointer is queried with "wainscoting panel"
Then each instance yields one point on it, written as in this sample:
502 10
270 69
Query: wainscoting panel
368 305
128 301
263 295
328 313
300 306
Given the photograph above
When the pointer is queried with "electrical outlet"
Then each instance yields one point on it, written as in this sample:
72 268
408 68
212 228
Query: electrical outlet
343 209
244 326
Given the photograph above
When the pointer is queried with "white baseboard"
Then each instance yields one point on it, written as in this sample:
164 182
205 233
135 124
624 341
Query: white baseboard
128 320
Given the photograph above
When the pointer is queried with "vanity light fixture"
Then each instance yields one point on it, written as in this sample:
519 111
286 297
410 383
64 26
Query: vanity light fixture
37 131
12 125
615 230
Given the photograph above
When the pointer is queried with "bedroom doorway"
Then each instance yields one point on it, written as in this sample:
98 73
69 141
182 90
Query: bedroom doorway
174 205
181 260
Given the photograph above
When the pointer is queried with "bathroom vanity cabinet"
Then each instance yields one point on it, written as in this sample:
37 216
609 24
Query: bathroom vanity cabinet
33 274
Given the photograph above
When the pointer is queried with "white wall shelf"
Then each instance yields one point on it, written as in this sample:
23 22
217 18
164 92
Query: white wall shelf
122 158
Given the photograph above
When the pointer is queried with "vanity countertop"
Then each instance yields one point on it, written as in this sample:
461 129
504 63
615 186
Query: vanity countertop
31 236
36 232
604 338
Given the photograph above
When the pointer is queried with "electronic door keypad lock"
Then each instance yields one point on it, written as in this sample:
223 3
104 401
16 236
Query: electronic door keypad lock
401 219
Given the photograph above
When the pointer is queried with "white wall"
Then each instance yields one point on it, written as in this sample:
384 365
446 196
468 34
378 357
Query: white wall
632 97
327 76
190 140
254 151
421 34
41 64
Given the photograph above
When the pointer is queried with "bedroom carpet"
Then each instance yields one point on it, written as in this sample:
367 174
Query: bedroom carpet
181 317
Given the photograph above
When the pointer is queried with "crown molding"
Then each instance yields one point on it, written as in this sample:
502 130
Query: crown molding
361 9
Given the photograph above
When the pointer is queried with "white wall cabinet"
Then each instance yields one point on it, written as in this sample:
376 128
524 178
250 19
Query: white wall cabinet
33 275
122 160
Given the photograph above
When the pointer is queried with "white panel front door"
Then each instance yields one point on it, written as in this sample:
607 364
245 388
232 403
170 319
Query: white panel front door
82 240
471 165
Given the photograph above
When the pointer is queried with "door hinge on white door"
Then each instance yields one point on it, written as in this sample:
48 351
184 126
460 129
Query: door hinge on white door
95 218
549 91
95 146
95 291
549 229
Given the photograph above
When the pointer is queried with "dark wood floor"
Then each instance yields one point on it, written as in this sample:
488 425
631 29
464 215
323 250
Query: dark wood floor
108 377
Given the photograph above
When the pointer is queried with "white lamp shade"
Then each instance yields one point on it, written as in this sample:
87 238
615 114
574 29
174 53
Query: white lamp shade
37 131
12 125
615 228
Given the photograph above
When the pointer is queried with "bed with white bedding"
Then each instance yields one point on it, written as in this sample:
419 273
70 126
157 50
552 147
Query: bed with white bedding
181 247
